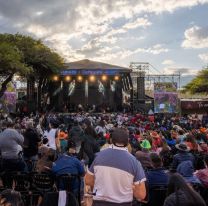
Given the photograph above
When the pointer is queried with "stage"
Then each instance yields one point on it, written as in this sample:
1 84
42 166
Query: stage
89 85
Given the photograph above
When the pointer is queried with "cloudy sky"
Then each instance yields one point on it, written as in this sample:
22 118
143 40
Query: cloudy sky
172 35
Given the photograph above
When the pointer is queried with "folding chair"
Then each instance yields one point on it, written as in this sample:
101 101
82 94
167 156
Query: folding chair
41 183
51 198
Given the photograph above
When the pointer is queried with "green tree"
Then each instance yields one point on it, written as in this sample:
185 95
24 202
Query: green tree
38 56
199 84
11 62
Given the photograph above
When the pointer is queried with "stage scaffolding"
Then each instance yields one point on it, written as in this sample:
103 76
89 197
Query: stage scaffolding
144 75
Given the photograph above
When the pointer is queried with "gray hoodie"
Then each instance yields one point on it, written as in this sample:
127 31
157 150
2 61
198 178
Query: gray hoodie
11 143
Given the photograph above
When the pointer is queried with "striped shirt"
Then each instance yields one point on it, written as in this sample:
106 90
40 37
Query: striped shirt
115 171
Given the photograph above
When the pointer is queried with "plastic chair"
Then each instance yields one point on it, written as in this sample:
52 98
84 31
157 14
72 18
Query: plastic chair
42 182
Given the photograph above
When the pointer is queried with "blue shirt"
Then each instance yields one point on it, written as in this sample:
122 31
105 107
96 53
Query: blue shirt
67 164
156 177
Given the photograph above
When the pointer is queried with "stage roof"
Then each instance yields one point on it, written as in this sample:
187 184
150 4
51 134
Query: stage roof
88 67
93 65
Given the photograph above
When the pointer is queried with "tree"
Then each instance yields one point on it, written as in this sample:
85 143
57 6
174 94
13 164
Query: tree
38 56
11 62
199 84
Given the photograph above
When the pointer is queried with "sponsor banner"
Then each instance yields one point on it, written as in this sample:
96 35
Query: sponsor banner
194 105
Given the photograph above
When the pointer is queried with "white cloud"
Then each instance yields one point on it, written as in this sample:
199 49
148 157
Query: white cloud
155 49
38 30
183 71
38 13
204 57
196 37
59 22
139 22
118 53
168 62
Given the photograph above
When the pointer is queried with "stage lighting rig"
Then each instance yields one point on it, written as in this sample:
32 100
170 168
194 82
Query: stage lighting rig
92 78
104 78
116 78
67 78
79 78
55 78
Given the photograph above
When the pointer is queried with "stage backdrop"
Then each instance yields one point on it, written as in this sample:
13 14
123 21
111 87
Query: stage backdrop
166 97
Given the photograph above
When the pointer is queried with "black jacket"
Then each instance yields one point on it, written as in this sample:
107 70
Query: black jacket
89 148
31 140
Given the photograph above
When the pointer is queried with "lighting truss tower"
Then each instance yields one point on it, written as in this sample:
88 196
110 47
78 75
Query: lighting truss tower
139 70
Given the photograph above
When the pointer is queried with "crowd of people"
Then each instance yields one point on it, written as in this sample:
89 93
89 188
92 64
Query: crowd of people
120 158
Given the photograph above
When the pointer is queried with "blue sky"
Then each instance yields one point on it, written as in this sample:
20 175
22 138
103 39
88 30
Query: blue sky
172 35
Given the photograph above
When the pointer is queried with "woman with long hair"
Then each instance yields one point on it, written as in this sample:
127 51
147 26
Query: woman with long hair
182 194
90 145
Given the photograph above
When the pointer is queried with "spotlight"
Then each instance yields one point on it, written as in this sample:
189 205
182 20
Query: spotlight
92 78
116 78
104 78
67 78
55 78
79 78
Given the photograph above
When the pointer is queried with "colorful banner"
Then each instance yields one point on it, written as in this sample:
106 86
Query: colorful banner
8 102
165 97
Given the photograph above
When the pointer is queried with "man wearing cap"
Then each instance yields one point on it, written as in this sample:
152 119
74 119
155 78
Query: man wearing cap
182 155
143 154
115 175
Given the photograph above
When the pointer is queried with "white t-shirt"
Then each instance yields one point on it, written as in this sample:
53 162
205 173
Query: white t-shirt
51 136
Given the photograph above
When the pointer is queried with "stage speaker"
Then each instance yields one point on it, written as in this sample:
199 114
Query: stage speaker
141 86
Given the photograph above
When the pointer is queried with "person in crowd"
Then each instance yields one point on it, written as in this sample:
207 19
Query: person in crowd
101 128
11 143
11 198
143 155
186 169
76 134
158 175
90 146
121 171
183 154
45 161
190 141
31 142
69 164
203 173
156 140
181 194
62 137
51 135
165 153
